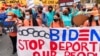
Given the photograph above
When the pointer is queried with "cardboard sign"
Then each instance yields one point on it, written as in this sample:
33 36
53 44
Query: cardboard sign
42 41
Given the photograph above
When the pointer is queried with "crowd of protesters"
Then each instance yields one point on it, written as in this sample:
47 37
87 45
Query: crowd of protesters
47 16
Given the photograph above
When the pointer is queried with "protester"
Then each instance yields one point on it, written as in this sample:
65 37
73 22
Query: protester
18 12
23 8
67 17
95 13
57 22
10 9
13 35
74 9
79 5
50 14
3 16
29 21
41 14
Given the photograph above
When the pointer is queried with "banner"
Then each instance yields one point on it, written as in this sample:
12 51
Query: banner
41 41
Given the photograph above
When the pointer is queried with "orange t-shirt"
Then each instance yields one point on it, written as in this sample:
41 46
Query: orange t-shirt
57 25
28 22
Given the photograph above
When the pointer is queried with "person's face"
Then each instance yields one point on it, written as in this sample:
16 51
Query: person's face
56 18
50 9
10 16
27 14
65 11
94 8
40 10
74 5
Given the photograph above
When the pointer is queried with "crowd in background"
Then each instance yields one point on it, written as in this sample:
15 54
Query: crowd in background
47 16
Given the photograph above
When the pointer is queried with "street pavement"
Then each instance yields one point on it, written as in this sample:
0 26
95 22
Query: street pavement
5 46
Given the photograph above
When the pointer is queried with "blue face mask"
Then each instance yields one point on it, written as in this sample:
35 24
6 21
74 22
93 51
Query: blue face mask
96 17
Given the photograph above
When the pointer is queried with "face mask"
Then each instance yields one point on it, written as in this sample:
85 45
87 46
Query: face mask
27 17
56 20
10 17
16 7
50 10
65 13
96 18
40 11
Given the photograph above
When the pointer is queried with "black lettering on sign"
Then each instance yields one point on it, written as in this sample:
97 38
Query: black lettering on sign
14 1
50 2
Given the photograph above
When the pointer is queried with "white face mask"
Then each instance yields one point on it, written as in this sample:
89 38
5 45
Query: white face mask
10 17
27 17
96 18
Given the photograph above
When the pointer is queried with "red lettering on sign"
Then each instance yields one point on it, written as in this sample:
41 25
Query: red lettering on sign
21 46
30 44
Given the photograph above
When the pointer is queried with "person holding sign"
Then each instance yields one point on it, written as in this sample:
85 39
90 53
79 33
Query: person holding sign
13 34
29 21
50 15
67 17
95 13
57 22
94 19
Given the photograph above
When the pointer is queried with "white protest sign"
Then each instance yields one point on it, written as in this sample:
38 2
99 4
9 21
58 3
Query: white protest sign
75 1
30 3
42 41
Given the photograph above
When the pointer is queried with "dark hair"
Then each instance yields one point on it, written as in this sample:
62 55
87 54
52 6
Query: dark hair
57 14
30 11
69 11
96 5
50 6
40 7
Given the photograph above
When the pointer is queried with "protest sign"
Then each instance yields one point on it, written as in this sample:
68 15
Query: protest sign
50 2
9 26
65 2
41 41
30 3
75 1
